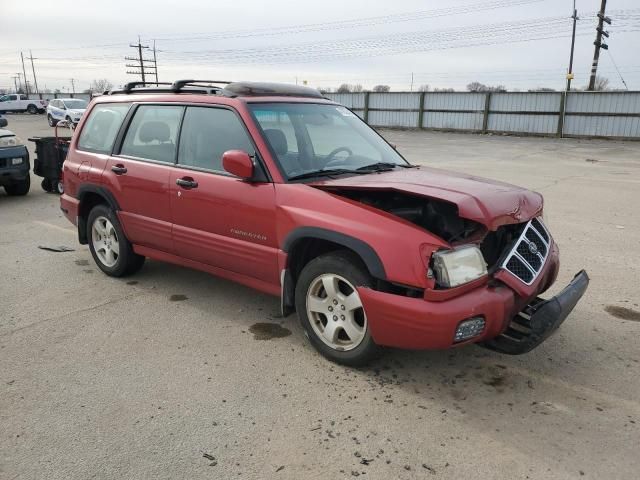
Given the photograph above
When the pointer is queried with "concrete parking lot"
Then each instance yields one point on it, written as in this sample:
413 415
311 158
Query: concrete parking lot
164 374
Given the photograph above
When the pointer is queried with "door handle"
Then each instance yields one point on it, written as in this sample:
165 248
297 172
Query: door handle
119 169
187 182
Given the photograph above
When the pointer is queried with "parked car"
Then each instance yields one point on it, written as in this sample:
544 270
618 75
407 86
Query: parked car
14 162
275 187
67 109
21 103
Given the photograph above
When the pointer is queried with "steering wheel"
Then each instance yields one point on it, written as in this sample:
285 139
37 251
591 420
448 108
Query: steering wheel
334 152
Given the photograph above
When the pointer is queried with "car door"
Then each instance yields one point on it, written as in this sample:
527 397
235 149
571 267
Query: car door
54 109
138 174
59 109
219 219
11 104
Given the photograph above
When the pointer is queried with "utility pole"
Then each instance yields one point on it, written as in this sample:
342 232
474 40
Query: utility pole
73 87
26 83
142 63
598 43
155 62
15 82
19 80
573 45
35 80
411 82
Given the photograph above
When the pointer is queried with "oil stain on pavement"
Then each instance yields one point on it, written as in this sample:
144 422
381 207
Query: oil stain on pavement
82 263
177 298
267 331
623 313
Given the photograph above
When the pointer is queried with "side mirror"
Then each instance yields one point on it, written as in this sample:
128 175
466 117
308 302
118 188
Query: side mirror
238 163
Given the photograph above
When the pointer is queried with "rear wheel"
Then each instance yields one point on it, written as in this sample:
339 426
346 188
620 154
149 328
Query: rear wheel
19 188
330 309
110 249
32 109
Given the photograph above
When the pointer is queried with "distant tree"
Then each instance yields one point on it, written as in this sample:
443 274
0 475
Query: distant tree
101 85
324 90
344 88
602 83
381 88
481 87
477 87
444 90
357 88
424 88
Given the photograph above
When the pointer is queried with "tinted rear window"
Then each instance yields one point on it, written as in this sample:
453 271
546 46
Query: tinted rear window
102 126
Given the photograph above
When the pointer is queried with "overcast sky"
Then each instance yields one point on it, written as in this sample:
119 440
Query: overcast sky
444 44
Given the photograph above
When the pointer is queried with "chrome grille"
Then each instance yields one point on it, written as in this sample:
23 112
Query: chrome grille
530 252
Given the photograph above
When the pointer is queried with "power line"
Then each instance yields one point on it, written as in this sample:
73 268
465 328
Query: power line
618 70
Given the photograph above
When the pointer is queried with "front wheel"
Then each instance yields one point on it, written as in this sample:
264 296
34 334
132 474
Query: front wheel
110 249
331 311
52 121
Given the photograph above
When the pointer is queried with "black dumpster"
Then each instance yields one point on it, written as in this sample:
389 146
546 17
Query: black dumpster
50 154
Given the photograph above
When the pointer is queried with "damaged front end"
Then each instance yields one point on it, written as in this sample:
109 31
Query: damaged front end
517 252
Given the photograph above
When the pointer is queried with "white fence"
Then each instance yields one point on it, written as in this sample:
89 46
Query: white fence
576 114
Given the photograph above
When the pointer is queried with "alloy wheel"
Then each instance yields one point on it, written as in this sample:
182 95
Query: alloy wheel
335 312
105 241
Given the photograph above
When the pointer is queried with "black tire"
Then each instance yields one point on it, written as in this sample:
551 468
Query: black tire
348 266
128 262
19 188
32 109
51 185
52 121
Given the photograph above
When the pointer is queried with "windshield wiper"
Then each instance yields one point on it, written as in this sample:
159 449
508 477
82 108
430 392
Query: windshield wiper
382 167
325 173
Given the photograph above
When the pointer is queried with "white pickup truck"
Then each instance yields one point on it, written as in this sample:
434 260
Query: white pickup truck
21 103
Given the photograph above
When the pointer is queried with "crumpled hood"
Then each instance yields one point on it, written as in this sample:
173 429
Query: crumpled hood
488 202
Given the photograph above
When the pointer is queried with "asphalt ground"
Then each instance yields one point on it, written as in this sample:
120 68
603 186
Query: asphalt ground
165 375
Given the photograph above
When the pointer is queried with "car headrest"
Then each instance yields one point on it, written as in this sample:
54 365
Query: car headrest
150 131
277 140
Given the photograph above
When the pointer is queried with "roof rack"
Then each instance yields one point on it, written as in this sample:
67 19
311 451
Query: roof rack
186 86
220 87
179 84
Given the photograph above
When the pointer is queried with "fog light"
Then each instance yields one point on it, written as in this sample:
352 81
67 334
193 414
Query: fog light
469 328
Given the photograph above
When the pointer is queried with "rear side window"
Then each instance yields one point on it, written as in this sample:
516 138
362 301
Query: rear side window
209 132
102 126
153 132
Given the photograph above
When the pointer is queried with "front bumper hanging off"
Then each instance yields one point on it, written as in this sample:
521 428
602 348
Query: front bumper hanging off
539 319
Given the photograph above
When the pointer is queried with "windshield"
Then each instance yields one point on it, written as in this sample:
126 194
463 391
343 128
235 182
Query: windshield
75 104
310 137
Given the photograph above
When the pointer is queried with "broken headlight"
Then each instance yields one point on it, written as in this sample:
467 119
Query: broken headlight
459 266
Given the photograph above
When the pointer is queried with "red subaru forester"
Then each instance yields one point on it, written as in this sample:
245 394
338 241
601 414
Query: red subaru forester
280 189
